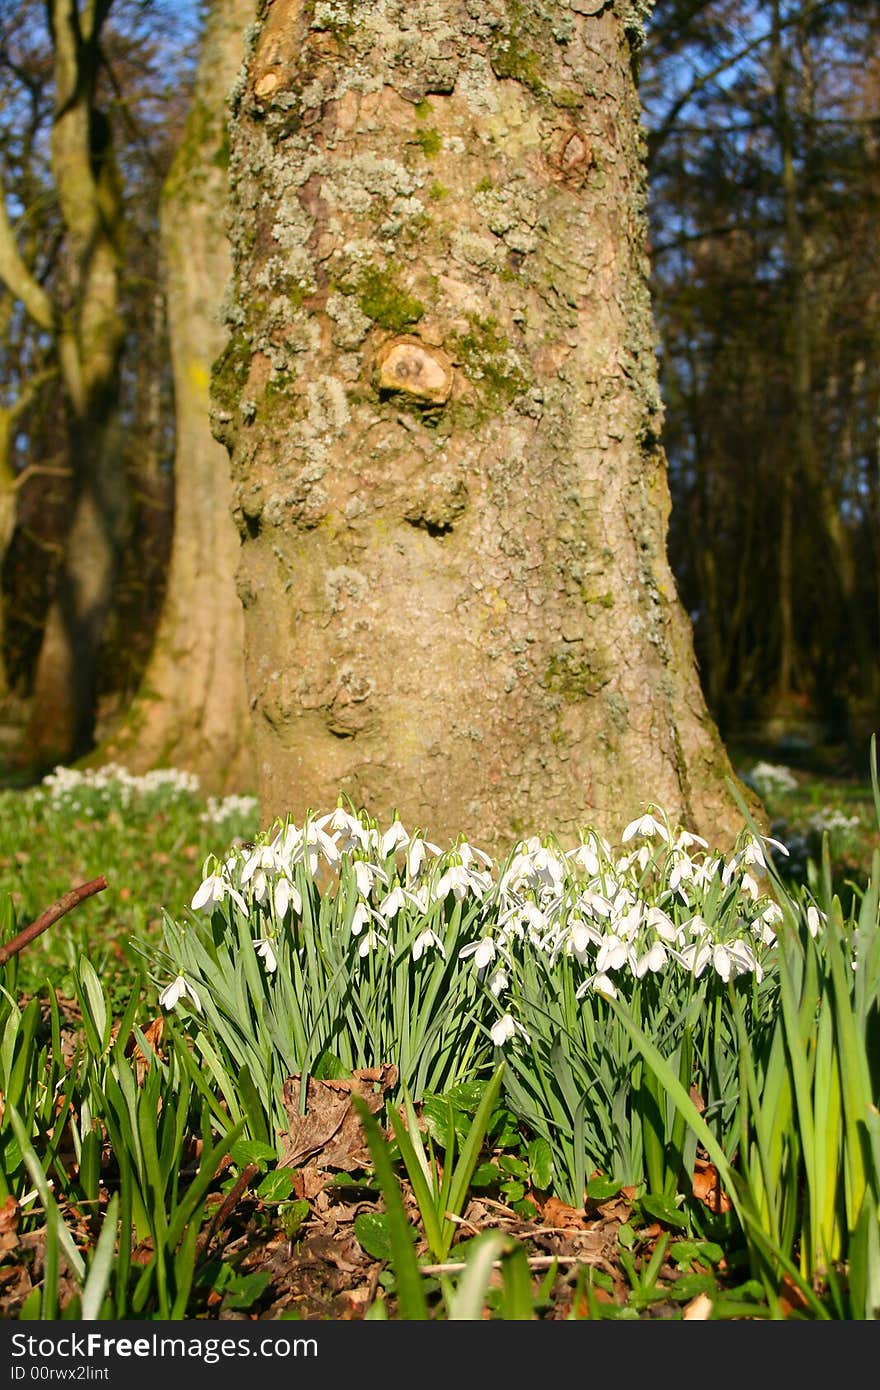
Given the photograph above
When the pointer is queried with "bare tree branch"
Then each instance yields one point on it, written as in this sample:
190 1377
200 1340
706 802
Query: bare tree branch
50 916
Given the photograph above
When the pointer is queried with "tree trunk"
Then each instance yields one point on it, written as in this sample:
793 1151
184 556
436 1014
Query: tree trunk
442 408
90 336
192 710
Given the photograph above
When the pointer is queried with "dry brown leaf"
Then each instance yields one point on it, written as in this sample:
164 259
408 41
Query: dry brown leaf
330 1134
699 1309
309 1181
708 1189
9 1216
697 1098
791 1299
556 1213
615 1209
153 1034
8 1225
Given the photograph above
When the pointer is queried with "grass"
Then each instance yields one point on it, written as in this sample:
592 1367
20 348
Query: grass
142 1182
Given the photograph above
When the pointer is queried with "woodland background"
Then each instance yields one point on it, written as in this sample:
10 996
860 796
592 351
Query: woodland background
762 127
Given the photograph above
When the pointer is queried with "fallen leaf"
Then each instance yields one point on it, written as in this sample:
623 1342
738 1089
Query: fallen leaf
791 1298
615 1210
697 1098
557 1213
330 1134
153 1034
707 1188
699 1309
8 1225
9 1216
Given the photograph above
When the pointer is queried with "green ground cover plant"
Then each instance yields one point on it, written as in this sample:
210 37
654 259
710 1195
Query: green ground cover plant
579 1036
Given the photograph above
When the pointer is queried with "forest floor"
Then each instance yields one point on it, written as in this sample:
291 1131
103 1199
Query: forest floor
302 1259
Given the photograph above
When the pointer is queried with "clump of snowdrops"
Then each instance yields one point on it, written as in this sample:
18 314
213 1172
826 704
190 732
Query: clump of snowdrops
95 792
99 792
340 944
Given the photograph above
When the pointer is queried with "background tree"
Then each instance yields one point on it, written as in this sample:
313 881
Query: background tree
764 125
441 402
192 707
96 114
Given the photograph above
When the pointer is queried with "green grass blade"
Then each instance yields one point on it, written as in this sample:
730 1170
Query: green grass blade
410 1289
423 1189
38 1178
470 1151
100 1268
467 1302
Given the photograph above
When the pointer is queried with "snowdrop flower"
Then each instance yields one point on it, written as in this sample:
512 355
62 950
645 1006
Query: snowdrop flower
586 858
581 934
370 942
364 875
704 873
395 838
696 957
612 954
483 952
601 984
418 899
645 825
682 871
212 890
722 961
264 949
286 894
660 922
468 853
360 918
595 904
685 839
772 914
173 993
424 940
547 869
317 843
498 982
416 853
628 923
506 1027
752 851
392 903
259 885
353 834
642 857
263 857
815 920
653 959
745 961
458 880
765 923
737 959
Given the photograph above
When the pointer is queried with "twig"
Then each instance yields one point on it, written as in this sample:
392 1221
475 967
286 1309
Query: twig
51 915
226 1207
534 1262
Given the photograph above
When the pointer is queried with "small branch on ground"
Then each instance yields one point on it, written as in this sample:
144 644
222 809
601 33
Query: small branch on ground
50 916
226 1208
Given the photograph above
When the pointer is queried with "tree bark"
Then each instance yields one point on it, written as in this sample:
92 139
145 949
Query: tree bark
89 332
442 409
192 710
